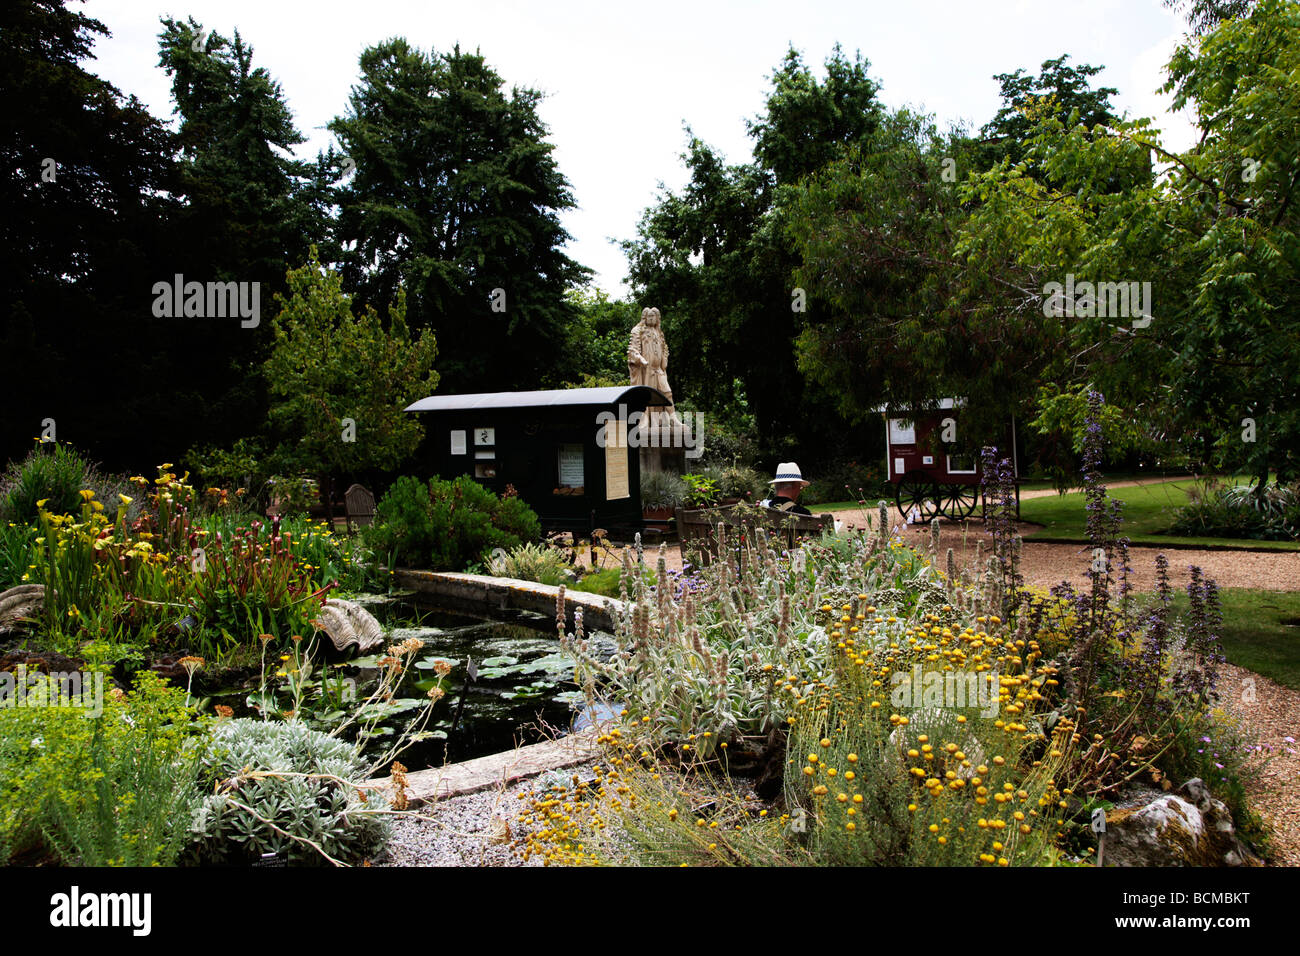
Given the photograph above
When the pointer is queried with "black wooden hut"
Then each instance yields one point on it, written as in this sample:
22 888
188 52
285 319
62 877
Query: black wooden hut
565 451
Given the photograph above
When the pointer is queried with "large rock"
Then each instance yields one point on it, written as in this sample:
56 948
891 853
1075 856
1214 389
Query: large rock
1187 828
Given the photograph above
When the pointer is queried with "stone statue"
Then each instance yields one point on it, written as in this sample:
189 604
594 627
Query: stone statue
647 362
662 436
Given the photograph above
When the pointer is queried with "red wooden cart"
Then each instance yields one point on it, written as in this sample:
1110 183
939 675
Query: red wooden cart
934 474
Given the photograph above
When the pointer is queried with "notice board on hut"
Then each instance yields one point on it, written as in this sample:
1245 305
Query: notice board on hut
616 470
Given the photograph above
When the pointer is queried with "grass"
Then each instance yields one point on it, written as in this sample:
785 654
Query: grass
1254 633
1148 511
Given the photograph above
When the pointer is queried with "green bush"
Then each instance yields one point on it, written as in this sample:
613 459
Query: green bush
448 524
315 806
662 489
54 474
533 562
112 789
1226 511
737 481
844 481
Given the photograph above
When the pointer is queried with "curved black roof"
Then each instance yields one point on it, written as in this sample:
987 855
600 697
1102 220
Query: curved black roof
641 396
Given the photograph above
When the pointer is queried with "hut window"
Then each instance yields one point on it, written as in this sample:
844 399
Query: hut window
961 464
569 460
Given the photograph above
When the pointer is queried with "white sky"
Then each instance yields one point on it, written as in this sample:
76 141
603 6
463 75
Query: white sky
622 78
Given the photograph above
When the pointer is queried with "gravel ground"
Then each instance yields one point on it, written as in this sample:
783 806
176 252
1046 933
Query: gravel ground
1271 719
470 830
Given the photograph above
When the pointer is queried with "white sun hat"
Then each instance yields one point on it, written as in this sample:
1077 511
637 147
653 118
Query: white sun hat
788 471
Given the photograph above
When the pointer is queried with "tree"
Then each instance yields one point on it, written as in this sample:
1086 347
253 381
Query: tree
251 207
1215 239
249 210
86 199
1065 91
338 382
456 198
597 342
907 319
716 260
1204 15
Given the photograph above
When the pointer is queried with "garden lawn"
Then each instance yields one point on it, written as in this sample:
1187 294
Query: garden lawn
1254 633
1148 511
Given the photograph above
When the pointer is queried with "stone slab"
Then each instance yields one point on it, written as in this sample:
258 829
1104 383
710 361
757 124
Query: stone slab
439 783
487 593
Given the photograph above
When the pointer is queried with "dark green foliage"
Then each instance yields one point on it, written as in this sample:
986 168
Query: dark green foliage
456 194
713 257
1221 511
447 525
83 234
55 474
1072 100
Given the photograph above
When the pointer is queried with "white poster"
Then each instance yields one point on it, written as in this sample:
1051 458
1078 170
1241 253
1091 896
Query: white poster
458 442
616 480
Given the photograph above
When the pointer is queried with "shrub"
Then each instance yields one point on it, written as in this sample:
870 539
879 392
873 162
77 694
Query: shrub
448 524
702 491
298 781
662 489
843 481
532 562
115 789
1220 510
737 481
56 474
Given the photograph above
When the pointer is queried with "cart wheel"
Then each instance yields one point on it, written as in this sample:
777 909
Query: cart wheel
917 490
957 502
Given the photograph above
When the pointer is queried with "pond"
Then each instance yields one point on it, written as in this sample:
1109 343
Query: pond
524 684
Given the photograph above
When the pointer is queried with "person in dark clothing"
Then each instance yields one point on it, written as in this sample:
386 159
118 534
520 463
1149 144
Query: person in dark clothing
786 487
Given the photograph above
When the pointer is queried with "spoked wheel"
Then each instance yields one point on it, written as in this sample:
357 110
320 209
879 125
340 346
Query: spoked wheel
917 490
956 502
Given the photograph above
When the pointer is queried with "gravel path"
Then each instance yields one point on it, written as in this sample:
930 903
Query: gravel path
470 830
1271 719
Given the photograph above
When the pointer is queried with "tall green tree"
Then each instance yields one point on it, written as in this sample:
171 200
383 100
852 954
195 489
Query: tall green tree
455 197
86 197
907 318
715 259
339 380
1061 90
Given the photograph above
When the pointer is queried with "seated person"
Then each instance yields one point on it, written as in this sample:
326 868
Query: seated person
786 487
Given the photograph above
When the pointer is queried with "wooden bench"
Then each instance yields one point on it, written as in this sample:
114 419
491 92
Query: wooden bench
698 528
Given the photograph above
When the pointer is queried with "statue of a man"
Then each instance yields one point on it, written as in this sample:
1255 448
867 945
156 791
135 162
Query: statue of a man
647 359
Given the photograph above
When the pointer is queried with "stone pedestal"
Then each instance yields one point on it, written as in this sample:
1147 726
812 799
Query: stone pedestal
662 443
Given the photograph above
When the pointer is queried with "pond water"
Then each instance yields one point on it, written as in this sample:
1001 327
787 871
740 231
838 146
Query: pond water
524 683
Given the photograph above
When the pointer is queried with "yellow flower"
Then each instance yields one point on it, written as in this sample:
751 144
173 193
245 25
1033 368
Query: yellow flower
86 494
124 499
41 503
